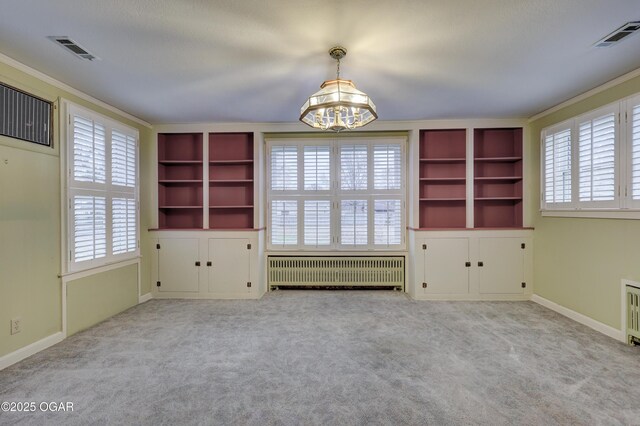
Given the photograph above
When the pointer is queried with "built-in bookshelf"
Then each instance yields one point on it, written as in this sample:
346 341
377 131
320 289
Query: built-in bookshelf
180 183
442 176
231 180
497 178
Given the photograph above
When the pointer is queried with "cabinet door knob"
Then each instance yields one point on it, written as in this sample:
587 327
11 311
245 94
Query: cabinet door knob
481 264
198 263
209 263
467 264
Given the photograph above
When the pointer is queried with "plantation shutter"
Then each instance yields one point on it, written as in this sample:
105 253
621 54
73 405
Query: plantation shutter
284 222
317 222
102 189
387 166
387 222
354 222
123 159
597 159
89 227
353 167
124 220
89 149
557 167
284 168
317 168
328 194
634 139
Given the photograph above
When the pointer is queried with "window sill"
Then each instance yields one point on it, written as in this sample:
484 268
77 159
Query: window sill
97 269
593 214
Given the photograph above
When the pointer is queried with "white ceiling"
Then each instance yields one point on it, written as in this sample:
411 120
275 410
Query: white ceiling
169 61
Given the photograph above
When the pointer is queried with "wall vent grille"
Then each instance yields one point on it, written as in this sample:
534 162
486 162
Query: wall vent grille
633 314
24 116
300 271
618 35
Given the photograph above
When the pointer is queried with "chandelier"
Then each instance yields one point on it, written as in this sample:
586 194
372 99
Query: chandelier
338 105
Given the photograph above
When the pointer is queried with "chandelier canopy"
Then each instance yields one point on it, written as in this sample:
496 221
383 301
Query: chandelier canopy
338 105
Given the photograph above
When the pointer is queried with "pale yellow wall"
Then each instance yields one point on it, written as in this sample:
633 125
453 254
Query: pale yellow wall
578 263
30 226
98 297
29 246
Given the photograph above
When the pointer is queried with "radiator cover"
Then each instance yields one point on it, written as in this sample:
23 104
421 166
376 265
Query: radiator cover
633 314
319 271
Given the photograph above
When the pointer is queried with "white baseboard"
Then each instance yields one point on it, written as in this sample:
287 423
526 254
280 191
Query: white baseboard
27 351
144 298
582 319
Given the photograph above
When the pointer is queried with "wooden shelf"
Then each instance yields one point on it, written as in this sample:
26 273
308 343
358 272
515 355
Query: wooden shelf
172 181
498 178
180 207
178 162
230 162
223 181
498 199
443 199
498 159
230 207
443 160
447 179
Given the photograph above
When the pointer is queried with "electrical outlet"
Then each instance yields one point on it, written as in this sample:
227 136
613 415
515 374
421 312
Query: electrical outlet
16 325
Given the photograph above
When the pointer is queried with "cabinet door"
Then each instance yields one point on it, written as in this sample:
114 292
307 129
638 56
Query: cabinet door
445 270
229 272
177 270
502 270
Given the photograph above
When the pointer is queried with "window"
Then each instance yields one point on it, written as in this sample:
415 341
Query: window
325 195
632 118
597 154
592 162
102 188
557 165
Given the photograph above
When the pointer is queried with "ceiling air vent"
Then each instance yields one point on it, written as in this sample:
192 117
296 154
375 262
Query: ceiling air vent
73 47
621 33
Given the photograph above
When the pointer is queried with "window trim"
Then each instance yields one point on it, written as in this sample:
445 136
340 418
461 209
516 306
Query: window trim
623 207
336 194
108 190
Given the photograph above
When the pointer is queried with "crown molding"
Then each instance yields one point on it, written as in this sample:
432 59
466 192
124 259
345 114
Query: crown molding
609 84
60 85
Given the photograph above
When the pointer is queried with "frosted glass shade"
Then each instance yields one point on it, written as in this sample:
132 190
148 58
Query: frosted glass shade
338 105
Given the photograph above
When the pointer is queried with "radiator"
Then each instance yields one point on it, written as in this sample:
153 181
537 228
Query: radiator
633 314
336 271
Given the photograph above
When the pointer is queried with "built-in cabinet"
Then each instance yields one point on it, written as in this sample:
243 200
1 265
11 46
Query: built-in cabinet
220 265
472 265
466 233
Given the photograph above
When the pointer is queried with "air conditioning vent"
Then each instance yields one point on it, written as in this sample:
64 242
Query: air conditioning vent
24 116
621 33
74 47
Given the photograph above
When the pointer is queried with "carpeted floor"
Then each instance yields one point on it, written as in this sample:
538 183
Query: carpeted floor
330 357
